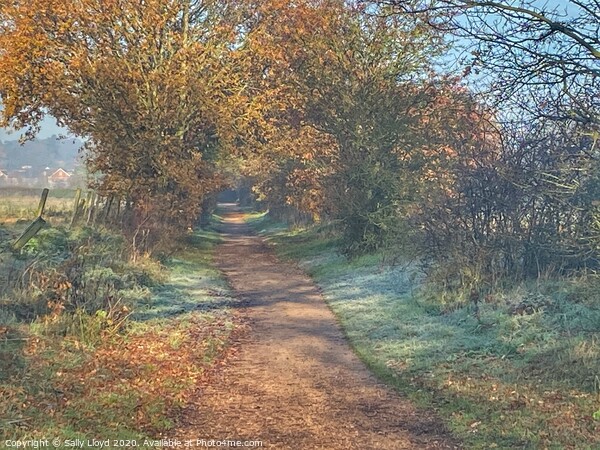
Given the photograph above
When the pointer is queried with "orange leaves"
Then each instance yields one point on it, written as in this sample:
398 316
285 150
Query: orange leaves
137 383
150 84
148 367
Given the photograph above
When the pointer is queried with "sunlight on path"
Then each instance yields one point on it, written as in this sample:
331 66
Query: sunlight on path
295 382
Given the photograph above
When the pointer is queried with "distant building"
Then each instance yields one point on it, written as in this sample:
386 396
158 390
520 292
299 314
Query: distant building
25 176
13 178
59 179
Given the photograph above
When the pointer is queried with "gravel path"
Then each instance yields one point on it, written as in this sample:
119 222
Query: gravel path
294 382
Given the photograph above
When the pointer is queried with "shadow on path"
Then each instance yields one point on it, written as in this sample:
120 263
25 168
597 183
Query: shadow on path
295 383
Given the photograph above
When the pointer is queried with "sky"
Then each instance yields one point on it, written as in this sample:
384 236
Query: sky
48 128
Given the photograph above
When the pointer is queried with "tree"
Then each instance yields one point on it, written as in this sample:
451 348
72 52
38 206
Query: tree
346 94
151 85
537 64
543 57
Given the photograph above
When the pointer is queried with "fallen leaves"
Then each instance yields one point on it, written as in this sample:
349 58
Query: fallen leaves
137 381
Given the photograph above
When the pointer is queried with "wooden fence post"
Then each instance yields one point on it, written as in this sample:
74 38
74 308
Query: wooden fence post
42 205
107 208
118 213
35 226
29 233
91 207
76 208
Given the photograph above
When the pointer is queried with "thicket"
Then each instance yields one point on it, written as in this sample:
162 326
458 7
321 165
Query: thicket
406 160
528 209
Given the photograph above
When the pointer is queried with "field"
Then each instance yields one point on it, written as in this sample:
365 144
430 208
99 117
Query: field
499 378
18 206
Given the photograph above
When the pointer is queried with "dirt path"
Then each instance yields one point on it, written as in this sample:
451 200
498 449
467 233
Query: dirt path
295 383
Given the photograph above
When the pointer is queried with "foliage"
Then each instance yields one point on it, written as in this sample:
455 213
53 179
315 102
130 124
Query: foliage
520 198
410 161
80 272
349 120
146 84
96 380
348 95
523 209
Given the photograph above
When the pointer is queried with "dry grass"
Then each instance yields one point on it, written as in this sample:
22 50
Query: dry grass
19 207
126 385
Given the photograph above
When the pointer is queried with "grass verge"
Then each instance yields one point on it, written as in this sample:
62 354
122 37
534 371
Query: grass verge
127 385
501 380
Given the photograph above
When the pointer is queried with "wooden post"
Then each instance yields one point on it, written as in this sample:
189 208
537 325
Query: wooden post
29 233
118 212
97 215
42 205
88 201
91 207
107 208
35 226
76 208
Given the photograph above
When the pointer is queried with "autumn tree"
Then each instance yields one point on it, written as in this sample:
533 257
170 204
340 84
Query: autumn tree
390 149
150 84
286 157
359 85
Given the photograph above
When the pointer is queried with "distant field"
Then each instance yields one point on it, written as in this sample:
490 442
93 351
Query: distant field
19 205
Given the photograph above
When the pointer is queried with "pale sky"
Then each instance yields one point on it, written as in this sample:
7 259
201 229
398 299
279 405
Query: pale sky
48 128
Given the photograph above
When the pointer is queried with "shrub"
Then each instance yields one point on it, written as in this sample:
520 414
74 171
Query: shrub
77 283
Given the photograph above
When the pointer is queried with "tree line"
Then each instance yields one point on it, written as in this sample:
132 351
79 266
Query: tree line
346 111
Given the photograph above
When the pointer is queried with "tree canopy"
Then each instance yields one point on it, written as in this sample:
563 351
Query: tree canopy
340 110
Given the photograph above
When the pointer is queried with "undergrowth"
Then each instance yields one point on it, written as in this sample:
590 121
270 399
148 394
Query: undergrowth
520 369
93 345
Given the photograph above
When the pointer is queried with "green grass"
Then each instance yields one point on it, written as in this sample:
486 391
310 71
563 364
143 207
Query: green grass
498 381
129 385
194 283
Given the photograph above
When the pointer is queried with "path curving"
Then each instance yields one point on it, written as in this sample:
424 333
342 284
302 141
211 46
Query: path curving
295 382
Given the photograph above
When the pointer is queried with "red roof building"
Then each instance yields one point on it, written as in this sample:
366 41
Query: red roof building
60 178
